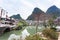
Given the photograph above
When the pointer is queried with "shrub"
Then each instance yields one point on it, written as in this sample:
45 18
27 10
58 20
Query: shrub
24 22
20 25
53 28
34 37
50 34
18 28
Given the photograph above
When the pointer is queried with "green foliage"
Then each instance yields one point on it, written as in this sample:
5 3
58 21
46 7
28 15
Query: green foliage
21 24
51 23
24 22
50 34
34 37
44 24
16 16
54 16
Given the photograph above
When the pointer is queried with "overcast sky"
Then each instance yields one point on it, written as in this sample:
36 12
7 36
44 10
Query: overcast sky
25 7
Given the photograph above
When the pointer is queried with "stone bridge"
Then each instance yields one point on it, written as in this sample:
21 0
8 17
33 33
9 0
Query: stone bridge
4 29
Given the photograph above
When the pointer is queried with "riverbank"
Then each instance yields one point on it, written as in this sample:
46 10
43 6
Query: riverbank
6 35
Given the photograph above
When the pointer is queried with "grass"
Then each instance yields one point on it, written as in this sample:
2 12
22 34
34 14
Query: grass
5 36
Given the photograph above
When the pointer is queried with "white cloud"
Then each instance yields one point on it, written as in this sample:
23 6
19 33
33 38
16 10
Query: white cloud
1 1
57 3
26 3
25 7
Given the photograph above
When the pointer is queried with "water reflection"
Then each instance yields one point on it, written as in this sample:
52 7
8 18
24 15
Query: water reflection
19 37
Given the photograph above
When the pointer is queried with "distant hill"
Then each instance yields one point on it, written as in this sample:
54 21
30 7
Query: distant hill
53 10
38 13
16 16
35 12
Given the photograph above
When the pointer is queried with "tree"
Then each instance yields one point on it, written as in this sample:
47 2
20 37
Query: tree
54 16
50 34
44 24
50 23
24 22
21 24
